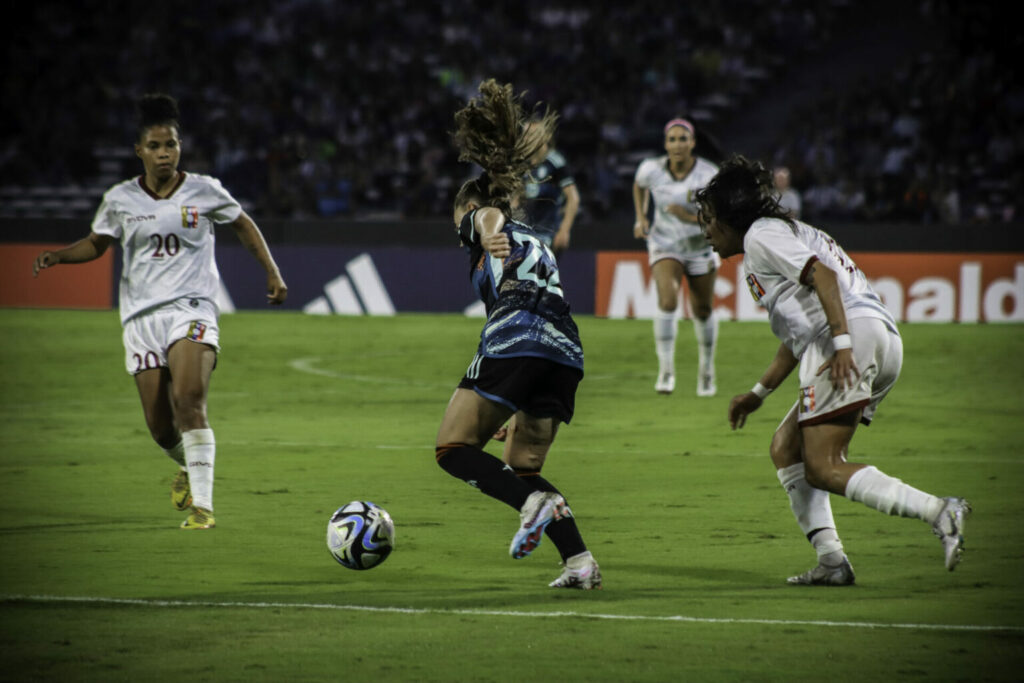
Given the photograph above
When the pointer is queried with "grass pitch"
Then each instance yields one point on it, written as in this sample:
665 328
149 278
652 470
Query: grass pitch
692 531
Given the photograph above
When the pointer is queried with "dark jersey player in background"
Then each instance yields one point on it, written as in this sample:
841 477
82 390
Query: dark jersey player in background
529 360
551 200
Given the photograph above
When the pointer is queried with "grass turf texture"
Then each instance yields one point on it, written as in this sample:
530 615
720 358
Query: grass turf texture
686 517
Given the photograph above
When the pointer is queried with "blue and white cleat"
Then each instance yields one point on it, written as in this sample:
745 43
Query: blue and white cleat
949 527
539 510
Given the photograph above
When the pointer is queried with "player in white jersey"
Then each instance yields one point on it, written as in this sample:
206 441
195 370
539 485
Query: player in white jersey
833 325
164 222
677 247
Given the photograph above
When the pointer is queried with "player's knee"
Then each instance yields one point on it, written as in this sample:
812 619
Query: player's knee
702 311
818 475
783 450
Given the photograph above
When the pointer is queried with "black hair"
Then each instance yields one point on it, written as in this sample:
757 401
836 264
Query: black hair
156 109
495 132
741 192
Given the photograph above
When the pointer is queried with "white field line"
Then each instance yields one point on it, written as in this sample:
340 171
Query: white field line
504 613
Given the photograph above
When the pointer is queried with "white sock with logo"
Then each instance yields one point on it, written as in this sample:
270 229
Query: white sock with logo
200 450
706 332
813 511
891 496
665 326
177 453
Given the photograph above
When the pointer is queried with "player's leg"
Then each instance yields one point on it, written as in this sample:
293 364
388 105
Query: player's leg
811 507
705 329
668 280
468 423
154 391
191 364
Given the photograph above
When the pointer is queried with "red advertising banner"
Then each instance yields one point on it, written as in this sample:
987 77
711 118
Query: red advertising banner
82 285
917 287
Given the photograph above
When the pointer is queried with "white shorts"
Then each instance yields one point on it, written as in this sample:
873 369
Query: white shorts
878 352
693 251
148 336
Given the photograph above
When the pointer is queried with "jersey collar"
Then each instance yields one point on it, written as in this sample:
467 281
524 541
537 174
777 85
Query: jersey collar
154 195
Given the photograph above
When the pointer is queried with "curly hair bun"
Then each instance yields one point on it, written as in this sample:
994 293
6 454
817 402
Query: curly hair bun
155 109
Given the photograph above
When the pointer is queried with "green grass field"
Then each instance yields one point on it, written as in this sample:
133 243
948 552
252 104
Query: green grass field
692 530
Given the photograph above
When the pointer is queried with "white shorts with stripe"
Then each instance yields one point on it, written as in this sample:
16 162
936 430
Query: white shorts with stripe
878 353
148 336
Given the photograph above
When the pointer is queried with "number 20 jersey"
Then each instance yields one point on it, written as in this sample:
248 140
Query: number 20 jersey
167 242
527 314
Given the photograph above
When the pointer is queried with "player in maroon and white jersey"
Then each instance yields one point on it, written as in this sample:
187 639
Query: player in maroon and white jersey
164 221
849 352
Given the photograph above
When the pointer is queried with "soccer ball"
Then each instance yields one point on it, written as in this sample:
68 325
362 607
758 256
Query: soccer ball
360 535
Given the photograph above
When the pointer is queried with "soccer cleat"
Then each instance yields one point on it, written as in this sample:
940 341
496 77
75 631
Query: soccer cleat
949 527
823 575
181 492
199 519
666 383
706 381
539 510
586 576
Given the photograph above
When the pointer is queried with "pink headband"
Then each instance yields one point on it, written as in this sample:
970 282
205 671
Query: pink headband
679 122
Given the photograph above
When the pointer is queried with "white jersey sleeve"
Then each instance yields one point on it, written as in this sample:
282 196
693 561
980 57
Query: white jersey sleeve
647 171
777 258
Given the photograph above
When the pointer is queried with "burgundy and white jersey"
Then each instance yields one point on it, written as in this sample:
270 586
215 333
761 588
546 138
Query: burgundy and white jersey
776 261
653 174
167 242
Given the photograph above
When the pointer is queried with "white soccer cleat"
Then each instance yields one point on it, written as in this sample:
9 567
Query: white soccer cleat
949 527
706 381
666 383
824 575
580 572
539 510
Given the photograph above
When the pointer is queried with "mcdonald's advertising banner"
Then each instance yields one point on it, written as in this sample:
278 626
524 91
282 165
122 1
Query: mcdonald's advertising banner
348 280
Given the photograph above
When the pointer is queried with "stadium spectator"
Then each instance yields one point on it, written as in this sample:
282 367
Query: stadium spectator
789 197
529 361
676 247
169 288
845 342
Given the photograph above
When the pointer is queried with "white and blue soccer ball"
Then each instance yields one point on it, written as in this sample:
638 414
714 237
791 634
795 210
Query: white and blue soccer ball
360 535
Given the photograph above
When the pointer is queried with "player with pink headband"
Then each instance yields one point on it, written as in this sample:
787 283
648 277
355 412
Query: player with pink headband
677 247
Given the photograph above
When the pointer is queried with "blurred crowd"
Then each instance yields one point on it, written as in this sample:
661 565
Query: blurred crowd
316 108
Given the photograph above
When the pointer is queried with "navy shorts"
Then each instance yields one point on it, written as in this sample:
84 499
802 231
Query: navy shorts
537 386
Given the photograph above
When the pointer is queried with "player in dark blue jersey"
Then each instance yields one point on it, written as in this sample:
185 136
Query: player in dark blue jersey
551 200
529 360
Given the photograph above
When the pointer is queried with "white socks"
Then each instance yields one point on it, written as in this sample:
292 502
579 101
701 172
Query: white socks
200 450
813 512
177 453
665 340
706 332
891 496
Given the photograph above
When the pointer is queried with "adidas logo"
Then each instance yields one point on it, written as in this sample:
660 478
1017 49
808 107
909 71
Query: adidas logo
359 291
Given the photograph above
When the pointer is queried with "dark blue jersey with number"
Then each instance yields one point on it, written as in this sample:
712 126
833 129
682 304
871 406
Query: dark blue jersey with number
527 314
544 195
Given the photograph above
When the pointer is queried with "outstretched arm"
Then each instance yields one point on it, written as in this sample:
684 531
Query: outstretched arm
779 369
88 248
572 207
252 238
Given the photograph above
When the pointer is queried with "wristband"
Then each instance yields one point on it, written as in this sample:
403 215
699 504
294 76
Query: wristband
842 341
760 391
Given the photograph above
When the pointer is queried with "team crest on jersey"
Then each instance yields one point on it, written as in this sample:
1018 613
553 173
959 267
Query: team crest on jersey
196 330
756 290
190 216
807 399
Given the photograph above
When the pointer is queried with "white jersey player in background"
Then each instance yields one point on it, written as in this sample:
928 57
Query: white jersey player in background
835 327
164 221
677 247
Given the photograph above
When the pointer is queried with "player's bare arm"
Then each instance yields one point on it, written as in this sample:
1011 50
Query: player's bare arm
641 196
777 372
572 207
488 222
86 249
682 213
251 237
842 368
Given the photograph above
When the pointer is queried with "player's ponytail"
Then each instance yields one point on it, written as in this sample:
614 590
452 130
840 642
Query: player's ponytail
156 109
493 132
